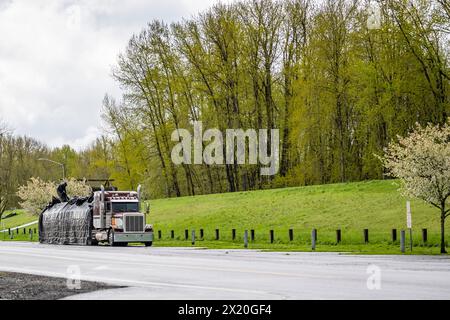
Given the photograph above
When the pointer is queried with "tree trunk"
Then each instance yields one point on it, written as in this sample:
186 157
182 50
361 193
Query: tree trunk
443 229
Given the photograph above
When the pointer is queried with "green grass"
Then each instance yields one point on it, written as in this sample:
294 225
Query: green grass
21 218
380 248
4 236
351 207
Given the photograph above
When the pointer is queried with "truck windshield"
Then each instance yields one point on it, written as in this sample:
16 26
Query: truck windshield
125 207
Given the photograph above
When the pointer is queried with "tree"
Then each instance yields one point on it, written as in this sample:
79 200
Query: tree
417 22
338 90
76 188
18 162
37 193
421 161
7 154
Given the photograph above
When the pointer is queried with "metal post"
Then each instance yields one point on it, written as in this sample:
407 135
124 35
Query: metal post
246 239
424 236
291 235
172 234
402 241
58 163
31 235
394 235
193 237
252 235
233 234
313 239
159 234
271 236
217 234
338 236
186 234
410 239
366 235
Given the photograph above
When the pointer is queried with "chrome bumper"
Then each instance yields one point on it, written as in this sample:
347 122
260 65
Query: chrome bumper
133 237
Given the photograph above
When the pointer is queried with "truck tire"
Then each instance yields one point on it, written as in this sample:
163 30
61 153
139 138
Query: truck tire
148 244
111 238
92 242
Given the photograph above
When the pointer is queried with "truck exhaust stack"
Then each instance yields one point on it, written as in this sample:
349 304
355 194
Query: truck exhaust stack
102 208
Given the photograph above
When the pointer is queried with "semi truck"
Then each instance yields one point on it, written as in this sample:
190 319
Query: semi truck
107 216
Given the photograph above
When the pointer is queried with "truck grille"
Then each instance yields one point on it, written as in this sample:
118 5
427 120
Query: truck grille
134 224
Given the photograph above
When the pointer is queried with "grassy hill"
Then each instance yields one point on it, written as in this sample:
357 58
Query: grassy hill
351 207
21 218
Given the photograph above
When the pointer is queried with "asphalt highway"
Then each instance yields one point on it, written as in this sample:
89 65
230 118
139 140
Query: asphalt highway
190 273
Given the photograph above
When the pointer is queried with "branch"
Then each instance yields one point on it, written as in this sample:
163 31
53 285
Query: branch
437 206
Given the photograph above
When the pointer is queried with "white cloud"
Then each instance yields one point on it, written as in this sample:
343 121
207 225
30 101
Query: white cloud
56 58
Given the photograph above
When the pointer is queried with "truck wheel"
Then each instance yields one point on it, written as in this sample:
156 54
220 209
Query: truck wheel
148 244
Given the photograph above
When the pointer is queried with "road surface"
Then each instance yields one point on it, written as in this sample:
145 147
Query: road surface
188 273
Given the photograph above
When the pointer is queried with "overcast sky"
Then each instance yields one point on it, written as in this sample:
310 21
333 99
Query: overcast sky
56 58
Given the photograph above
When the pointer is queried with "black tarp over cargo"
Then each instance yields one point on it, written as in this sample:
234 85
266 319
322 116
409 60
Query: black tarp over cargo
66 222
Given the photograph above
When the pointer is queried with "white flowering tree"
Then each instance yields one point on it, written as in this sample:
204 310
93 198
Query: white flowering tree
37 194
76 188
422 163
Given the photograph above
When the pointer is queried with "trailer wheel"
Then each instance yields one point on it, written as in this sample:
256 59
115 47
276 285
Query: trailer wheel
148 244
92 242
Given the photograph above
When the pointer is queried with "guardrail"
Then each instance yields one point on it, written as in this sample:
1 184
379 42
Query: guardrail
289 236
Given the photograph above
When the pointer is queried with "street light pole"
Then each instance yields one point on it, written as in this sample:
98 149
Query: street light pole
58 163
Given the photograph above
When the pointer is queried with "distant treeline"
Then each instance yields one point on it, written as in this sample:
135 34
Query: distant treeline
22 158
337 90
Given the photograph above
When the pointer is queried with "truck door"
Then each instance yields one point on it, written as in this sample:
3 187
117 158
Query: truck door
108 214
